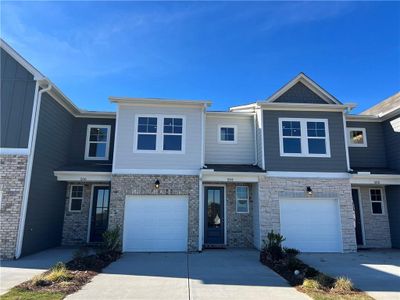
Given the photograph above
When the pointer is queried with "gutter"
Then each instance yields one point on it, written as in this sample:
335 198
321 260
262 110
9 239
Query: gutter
24 205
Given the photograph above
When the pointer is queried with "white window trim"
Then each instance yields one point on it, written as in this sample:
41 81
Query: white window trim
382 202
304 138
364 132
90 126
220 141
237 199
159 134
70 198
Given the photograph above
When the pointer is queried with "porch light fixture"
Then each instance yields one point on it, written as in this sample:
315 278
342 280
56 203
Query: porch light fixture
157 184
309 191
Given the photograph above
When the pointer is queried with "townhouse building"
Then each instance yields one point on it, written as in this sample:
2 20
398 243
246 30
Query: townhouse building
174 175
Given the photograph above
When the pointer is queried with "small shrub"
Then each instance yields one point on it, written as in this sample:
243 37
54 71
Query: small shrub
311 284
324 280
58 273
111 241
275 252
294 264
273 246
275 239
39 280
81 252
311 272
291 251
343 284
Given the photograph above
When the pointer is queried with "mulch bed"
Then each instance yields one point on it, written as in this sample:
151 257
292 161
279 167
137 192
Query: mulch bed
82 271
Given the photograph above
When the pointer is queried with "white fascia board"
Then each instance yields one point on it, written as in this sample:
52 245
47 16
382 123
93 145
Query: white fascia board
229 114
312 85
14 151
117 171
362 118
244 108
82 176
319 175
375 179
304 106
158 102
212 176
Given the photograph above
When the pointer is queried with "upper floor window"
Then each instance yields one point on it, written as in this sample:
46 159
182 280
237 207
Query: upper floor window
160 134
357 137
304 137
227 134
376 201
97 142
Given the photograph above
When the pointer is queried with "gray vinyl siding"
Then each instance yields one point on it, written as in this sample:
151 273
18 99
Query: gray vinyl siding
127 159
17 97
274 162
242 152
299 93
393 202
78 142
46 202
374 155
392 143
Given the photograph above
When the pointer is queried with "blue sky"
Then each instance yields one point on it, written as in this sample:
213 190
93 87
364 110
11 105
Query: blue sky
228 52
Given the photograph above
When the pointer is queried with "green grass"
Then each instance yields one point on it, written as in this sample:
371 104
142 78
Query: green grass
19 294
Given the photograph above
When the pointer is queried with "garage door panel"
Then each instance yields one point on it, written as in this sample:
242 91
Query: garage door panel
155 223
311 225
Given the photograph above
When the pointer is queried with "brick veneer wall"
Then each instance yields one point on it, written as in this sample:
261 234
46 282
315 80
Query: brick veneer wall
76 224
12 181
124 185
271 188
239 226
376 227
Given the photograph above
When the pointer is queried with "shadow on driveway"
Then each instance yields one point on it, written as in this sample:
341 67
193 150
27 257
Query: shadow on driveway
376 272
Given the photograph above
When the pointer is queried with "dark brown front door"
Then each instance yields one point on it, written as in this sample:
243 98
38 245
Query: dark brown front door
356 203
214 215
100 205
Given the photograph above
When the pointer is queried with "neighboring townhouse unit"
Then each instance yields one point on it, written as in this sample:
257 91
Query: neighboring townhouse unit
174 176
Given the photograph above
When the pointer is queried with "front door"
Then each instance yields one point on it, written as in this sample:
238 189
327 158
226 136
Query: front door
100 205
214 215
356 203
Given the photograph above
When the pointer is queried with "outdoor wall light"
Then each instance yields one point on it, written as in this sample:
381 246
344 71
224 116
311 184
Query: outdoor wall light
157 184
309 191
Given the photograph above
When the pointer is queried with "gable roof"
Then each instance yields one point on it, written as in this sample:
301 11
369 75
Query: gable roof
384 107
310 84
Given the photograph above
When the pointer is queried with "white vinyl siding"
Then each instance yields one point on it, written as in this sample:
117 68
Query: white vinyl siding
125 158
240 152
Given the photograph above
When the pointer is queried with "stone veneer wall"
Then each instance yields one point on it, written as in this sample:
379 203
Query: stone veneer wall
271 188
239 226
12 181
76 224
376 227
124 185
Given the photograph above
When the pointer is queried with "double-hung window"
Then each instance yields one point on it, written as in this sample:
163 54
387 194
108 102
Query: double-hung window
376 201
172 135
97 142
76 198
158 133
242 199
304 137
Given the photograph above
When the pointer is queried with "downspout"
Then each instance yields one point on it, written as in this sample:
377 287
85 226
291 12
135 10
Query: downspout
27 184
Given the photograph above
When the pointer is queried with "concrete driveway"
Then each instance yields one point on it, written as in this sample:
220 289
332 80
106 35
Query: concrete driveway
14 272
213 274
376 272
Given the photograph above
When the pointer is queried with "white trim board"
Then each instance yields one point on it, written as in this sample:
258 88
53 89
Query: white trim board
288 174
82 176
156 171
14 151
375 179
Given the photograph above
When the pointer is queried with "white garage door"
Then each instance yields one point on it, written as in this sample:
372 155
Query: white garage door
155 224
311 225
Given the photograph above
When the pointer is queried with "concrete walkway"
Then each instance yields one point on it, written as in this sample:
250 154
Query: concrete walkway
376 272
14 272
213 274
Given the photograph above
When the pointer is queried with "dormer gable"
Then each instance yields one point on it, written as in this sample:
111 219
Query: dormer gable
302 89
